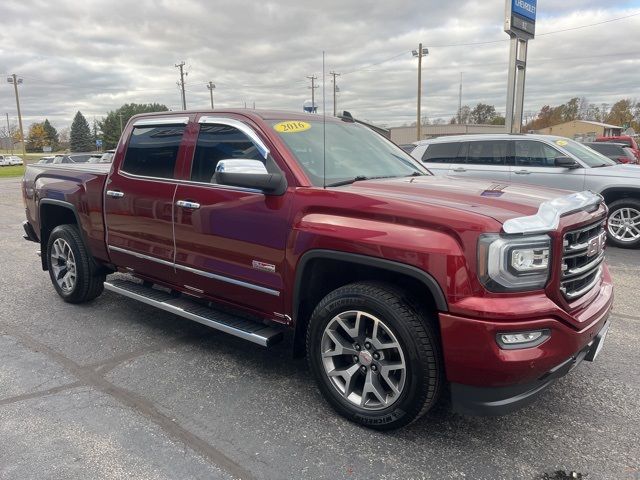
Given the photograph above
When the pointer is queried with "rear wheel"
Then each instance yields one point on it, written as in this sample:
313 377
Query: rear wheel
623 224
376 360
74 274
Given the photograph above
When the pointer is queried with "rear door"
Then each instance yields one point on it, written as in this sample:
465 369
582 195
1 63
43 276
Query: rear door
230 241
485 159
437 157
534 163
139 199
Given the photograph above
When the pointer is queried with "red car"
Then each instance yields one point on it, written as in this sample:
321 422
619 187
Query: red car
394 282
627 140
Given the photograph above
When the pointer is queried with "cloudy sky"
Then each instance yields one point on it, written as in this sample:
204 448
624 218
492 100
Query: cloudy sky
94 56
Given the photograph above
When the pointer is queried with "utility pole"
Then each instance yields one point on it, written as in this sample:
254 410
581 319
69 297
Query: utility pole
211 86
460 101
10 137
334 74
16 81
181 84
421 52
313 87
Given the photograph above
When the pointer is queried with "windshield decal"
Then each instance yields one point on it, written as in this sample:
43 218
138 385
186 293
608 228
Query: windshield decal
291 126
562 143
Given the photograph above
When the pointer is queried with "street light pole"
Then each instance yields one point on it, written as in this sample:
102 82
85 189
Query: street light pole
421 52
16 81
211 86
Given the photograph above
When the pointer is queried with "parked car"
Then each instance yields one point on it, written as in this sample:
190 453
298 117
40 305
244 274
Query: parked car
5 161
628 140
391 280
543 160
107 157
407 147
618 152
73 158
94 158
45 160
10 160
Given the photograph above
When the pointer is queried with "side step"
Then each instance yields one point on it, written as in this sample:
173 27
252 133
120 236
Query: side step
240 327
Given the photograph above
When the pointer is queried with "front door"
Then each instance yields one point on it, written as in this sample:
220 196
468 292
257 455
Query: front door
139 200
230 242
534 163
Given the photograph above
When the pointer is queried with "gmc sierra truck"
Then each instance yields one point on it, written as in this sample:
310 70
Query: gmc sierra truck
397 285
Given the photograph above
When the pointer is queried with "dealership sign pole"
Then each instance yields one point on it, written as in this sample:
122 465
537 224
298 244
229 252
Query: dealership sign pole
520 24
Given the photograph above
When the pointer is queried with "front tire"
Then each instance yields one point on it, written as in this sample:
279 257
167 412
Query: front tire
623 223
73 272
375 359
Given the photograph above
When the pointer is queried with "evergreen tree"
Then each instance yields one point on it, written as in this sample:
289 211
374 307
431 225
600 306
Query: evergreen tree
51 135
80 136
110 125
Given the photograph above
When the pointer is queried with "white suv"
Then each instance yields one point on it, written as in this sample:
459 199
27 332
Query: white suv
543 160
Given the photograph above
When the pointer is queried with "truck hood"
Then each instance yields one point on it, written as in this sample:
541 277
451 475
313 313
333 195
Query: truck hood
621 170
500 201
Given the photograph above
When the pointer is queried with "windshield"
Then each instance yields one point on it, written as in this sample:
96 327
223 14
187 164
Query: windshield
590 157
351 151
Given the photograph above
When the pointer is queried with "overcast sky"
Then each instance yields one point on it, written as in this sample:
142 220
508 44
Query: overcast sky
94 56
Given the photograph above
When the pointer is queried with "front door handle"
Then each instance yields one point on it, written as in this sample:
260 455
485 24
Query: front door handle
115 194
187 204
459 169
522 172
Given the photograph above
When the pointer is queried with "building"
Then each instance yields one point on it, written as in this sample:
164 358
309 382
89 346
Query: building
582 130
404 135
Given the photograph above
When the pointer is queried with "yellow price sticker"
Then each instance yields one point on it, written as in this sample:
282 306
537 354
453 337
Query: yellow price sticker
291 126
562 143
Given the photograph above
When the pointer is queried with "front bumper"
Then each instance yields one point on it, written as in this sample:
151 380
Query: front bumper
472 400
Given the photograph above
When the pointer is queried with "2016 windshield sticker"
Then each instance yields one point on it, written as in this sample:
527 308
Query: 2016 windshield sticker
291 127
562 143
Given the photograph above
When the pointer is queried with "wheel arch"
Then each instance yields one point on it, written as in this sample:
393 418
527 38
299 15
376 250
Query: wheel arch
612 194
321 271
52 213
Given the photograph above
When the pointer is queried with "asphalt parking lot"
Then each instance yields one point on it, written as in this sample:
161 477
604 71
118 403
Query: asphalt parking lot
116 389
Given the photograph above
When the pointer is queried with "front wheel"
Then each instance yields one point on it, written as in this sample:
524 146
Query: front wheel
375 359
623 224
73 272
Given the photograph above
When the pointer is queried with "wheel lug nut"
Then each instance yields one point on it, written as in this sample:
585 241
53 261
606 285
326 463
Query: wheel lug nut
376 355
357 347
367 345
374 368
363 369
355 358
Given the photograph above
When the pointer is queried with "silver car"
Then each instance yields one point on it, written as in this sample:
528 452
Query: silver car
544 160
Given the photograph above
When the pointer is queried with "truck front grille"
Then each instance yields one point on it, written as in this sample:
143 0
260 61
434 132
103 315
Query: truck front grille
583 254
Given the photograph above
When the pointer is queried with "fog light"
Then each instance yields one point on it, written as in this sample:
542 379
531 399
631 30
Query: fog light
510 341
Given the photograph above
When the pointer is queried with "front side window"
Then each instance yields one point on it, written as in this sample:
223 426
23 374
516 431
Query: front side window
219 142
344 151
585 154
441 152
153 151
491 152
535 154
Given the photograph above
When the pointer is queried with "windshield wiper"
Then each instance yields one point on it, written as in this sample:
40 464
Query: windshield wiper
348 182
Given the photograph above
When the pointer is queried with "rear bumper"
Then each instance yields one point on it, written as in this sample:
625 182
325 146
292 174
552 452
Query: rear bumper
29 232
472 400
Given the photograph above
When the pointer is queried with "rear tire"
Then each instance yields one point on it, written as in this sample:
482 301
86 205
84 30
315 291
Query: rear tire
623 223
376 360
72 270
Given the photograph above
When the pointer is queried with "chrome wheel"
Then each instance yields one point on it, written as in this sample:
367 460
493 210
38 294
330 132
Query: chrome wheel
624 224
363 360
63 265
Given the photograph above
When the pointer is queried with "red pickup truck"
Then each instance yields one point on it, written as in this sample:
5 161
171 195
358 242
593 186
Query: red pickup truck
393 282
628 140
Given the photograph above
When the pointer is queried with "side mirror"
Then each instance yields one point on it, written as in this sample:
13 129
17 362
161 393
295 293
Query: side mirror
246 173
566 162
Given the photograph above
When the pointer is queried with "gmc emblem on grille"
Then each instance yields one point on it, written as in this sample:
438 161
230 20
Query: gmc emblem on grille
596 245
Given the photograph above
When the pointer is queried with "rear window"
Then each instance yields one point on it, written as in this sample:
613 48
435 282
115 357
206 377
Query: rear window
153 151
606 149
441 152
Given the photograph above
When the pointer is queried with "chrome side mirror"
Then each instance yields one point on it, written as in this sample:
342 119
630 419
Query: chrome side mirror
245 173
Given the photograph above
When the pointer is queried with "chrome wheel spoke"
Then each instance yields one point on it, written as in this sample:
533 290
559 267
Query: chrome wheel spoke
341 346
63 265
347 375
624 224
372 387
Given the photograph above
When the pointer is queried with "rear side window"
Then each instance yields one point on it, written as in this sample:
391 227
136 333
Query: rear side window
219 142
153 151
441 152
491 152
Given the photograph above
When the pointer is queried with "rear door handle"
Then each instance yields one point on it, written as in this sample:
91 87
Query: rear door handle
522 172
187 204
459 169
115 194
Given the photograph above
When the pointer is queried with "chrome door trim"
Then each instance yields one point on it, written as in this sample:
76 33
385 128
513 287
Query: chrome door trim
243 127
221 278
153 121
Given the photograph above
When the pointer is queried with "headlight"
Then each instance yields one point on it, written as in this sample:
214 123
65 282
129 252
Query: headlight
507 264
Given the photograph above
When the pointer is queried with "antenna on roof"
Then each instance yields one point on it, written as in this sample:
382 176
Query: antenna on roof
324 131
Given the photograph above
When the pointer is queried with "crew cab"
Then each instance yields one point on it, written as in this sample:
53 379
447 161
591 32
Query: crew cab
394 282
628 140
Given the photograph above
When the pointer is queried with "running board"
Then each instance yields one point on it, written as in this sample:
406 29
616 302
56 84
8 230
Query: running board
240 327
